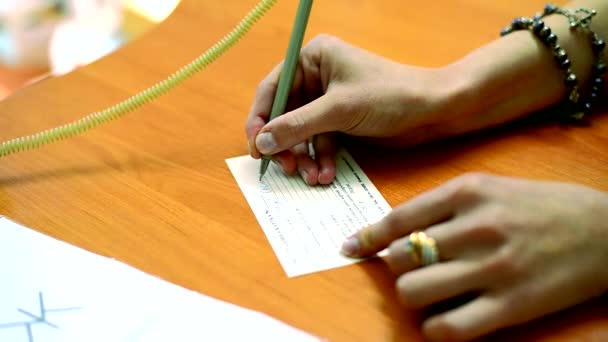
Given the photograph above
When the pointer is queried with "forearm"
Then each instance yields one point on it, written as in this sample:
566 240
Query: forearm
516 74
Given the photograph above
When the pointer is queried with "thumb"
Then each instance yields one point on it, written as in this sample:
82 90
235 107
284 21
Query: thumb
292 128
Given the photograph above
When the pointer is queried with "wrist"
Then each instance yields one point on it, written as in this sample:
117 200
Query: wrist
510 77
504 80
455 107
441 97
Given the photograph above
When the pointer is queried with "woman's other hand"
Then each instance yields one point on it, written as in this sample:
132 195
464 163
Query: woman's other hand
526 248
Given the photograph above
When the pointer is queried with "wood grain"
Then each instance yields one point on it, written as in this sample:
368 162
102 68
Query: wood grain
153 189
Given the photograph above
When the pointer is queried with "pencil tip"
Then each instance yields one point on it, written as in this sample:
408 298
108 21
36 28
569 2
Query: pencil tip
263 167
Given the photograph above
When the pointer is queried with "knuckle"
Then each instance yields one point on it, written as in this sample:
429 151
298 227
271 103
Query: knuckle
325 44
513 303
251 127
515 297
508 308
494 219
489 225
393 225
488 234
324 40
506 264
470 187
264 87
248 128
394 246
473 182
394 251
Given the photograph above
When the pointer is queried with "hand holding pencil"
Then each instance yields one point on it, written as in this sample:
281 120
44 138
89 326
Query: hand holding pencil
289 68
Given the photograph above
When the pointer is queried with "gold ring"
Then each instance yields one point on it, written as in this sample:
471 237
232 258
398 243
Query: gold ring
422 248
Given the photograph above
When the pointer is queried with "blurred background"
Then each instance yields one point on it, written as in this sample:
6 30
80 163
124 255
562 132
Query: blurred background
41 38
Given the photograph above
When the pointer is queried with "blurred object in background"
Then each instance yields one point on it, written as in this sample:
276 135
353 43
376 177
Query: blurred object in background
153 10
39 38
43 33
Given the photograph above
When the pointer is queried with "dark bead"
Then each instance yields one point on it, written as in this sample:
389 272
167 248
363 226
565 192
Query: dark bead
561 56
537 17
595 89
598 45
550 9
557 47
587 107
551 39
598 82
570 80
565 64
599 68
520 23
505 31
537 26
574 96
593 97
544 32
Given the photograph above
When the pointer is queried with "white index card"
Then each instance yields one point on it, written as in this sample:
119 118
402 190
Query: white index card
306 225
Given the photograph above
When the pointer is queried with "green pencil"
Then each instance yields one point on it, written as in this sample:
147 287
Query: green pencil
289 69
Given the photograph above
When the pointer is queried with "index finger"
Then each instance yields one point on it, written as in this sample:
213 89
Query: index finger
260 109
262 103
424 210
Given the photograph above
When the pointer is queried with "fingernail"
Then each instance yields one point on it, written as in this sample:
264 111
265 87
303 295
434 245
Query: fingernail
266 143
351 246
304 175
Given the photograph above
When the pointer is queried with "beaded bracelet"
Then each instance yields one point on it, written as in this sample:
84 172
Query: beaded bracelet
579 19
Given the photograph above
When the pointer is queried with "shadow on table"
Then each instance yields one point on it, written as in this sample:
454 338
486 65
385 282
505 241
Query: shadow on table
405 323
380 162
85 169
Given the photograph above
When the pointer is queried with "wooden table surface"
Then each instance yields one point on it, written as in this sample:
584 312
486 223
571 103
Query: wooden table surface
153 189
